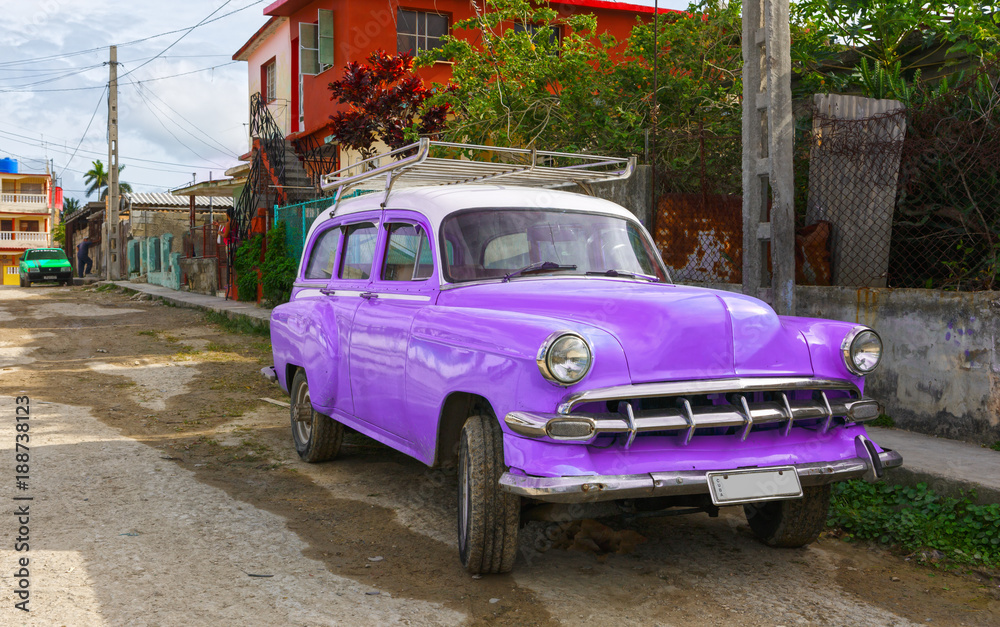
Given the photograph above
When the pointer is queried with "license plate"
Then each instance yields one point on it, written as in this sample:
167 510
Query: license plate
50 276
733 487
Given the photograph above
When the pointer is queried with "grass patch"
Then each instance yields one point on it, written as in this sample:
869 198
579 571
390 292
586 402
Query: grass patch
217 347
915 519
148 332
883 420
241 325
996 446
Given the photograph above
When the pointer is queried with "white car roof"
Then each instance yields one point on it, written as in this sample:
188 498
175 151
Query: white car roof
437 202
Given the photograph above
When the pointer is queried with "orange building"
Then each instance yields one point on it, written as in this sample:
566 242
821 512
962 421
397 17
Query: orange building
305 44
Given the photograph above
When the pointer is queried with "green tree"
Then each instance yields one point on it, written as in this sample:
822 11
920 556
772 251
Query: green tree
97 180
70 205
831 40
515 83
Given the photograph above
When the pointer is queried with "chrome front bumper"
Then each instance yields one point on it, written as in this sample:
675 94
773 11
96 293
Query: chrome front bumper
612 487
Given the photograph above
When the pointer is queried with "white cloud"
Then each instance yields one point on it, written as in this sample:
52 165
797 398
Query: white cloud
40 123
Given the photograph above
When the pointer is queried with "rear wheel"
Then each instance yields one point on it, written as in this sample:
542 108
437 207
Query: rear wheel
25 282
317 437
792 523
488 517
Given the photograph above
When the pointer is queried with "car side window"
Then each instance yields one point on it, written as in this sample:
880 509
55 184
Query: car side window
323 255
408 254
359 251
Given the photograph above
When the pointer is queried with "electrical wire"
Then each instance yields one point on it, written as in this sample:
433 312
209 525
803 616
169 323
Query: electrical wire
85 131
218 144
134 41
185 34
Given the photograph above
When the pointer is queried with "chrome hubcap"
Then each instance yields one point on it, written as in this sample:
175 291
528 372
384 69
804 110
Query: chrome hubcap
303 415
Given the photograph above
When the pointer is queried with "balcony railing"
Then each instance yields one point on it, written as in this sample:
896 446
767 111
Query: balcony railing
24 199
22 238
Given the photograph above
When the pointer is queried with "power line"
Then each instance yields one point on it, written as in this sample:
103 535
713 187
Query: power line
134 41
145 101
82 137
157 78
181 116
185 34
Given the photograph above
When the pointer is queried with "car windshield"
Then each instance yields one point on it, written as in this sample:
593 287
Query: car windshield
38 255
498 243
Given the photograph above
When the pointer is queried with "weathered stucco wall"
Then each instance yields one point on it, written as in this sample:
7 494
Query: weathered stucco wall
940 373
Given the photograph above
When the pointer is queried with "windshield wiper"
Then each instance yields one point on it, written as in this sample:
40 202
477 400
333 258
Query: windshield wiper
541 266
624 273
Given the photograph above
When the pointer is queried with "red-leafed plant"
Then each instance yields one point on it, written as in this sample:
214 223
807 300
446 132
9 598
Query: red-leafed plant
385 102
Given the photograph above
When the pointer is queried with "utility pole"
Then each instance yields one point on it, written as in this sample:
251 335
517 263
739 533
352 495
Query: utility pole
112 246
768 179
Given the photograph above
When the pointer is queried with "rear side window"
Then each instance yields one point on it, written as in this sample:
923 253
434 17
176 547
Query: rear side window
323 255
407 255
359 251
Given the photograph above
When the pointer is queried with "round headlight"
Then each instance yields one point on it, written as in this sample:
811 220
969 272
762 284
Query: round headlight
564 358
862 350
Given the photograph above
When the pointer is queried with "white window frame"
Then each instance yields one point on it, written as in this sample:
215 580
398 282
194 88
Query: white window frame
420 39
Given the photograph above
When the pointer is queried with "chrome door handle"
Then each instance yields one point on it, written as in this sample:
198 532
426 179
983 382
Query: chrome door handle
327 292
368 295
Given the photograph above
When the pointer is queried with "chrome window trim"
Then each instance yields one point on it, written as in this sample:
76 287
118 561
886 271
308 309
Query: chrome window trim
701 386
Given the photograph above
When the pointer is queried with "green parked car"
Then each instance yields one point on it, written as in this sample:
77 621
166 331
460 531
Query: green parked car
45 264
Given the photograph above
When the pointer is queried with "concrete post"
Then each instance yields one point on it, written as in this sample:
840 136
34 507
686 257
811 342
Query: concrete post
768 179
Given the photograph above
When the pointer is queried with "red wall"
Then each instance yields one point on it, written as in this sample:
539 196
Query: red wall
363 27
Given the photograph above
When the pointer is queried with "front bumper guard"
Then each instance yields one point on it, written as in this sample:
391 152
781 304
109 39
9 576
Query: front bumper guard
613 487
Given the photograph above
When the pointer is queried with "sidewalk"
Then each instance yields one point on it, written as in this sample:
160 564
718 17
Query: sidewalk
199 301
946 466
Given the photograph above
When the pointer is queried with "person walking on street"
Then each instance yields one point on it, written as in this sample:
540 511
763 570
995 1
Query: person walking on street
83 262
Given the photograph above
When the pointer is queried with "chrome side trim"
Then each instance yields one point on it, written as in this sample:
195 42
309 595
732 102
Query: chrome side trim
394 296
701 386
687 418
611 487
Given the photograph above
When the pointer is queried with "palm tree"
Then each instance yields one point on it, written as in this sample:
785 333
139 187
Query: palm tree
70 205
97 179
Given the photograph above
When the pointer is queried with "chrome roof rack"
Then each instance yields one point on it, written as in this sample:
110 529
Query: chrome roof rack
463 164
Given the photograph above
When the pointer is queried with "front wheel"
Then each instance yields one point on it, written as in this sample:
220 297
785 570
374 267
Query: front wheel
317 437
488 517
792 523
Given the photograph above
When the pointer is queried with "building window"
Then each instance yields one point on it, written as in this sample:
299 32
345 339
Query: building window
29 226
269 76
417 31
6 225
554 32
316 44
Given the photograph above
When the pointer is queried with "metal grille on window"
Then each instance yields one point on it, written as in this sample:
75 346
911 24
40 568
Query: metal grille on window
418 31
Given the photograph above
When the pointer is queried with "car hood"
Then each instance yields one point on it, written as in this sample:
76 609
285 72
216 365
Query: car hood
668 332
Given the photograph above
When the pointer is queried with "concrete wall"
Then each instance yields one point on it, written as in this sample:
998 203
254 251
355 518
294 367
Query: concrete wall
635 194
158 223
940 374
202 274
150 250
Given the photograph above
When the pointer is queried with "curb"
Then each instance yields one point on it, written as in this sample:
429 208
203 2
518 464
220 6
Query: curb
258 316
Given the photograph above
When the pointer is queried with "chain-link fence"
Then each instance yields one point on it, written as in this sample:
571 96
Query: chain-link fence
299 217
698 224
885 196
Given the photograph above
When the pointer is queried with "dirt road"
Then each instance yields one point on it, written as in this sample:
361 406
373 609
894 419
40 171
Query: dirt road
165 492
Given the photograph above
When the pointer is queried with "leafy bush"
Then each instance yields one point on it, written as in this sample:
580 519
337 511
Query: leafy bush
916 518
277 270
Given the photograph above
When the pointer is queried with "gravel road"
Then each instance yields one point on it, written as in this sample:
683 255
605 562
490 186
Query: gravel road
166 492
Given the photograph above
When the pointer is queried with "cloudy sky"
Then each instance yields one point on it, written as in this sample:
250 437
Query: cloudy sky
182 99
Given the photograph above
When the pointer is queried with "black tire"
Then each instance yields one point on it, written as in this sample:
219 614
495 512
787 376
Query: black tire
792 523
25 282
488 517
317 437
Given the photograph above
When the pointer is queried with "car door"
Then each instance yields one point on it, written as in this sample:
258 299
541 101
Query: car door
405 281
346 257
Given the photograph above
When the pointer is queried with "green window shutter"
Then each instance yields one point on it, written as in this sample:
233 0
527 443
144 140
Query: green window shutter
308 49
325 39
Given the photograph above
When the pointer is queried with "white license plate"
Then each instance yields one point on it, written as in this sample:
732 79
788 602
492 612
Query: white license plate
733 487
50 277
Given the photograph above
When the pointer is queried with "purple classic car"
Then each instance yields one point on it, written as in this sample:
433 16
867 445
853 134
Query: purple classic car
534 339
